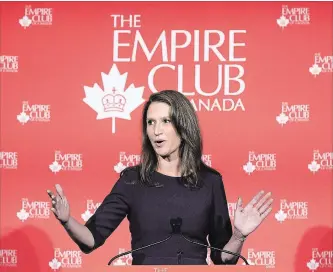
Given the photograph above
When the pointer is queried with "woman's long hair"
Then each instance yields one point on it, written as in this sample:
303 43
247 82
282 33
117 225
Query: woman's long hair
186 124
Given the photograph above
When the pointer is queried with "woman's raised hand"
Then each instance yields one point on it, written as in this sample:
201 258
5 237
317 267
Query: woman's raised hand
60 205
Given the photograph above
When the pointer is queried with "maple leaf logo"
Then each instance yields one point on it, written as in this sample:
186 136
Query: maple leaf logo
114 101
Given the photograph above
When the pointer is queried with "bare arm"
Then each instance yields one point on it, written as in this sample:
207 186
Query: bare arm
79 233
235 245
247 219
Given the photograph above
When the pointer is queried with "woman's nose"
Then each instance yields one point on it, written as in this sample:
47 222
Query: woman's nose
158 129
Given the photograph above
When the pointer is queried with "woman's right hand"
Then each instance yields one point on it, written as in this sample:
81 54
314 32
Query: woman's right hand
60 205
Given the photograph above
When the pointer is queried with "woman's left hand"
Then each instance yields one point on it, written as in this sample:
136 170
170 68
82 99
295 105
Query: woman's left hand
248 218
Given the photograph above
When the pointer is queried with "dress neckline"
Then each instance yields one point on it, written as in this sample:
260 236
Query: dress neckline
167 176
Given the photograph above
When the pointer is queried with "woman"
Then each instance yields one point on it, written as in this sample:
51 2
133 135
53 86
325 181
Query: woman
171 181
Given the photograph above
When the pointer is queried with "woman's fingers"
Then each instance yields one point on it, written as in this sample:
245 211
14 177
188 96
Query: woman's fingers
59 190
60 205
51 195
65 202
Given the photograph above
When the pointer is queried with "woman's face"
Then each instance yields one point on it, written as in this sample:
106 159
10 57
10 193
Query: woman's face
161 132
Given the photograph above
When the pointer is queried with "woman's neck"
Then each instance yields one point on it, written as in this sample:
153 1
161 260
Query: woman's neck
169 167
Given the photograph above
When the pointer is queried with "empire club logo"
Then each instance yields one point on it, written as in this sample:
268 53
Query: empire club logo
322 259
36 16
261 258
34 113
293 113
260 162
66 162
321 161
293 16
34 209
114 101
321 65
292 210
66 259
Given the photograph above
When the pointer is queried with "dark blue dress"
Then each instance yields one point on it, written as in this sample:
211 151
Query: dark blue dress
204 212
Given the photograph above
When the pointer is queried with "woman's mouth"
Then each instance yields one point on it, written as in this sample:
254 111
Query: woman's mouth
159 143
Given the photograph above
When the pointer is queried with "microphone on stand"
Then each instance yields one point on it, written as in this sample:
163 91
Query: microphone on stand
176 228
140 248
130 251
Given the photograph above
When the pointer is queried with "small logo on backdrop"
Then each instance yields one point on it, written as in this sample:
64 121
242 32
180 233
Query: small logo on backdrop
66 162
261 258
34 209
91 209
114 101
36 16
124 260
321 65
321 161
293 16
8 257
66 259
293 113
8 160
126 160
9 63
260 162
292 210
320 259
34 113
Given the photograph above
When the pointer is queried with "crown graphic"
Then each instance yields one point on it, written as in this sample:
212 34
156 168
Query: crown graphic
114 102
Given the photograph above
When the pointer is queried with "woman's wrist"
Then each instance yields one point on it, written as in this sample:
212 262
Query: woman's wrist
238 235
65 223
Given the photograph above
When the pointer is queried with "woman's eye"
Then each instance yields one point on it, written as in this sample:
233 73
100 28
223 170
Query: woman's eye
166 121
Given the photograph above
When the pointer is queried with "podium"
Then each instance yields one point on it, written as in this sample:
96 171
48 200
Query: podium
189 268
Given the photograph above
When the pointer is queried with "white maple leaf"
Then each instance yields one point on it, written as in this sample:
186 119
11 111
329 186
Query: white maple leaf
23 118
119 167
114 101
313 166
22 215
249 167
86 215
315 70
312 265
282 119
55 264
280 216
282 21
25 21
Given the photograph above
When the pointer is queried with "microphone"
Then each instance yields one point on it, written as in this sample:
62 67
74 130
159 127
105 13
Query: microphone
174 231
176 228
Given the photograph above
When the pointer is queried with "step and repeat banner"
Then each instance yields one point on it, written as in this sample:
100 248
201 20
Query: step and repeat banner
75 76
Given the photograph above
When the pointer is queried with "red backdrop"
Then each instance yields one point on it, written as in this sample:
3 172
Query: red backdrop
74 77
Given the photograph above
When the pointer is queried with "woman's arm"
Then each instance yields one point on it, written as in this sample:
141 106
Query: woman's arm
235 245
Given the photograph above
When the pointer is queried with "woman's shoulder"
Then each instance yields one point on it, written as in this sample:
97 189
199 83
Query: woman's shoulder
127 177
210 175
130 175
